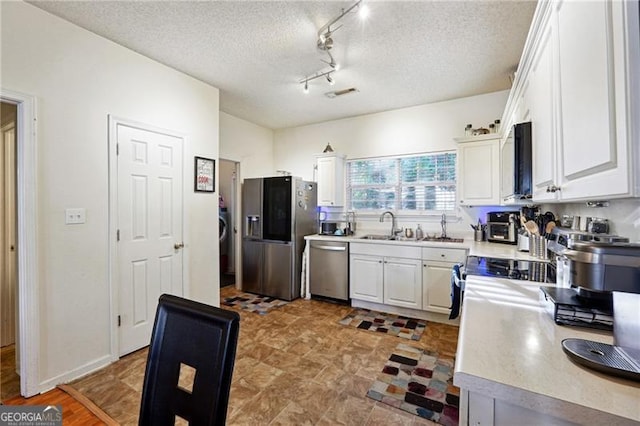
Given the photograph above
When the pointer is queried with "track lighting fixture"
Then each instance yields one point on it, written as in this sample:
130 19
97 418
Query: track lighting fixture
326 74
325 43
324 33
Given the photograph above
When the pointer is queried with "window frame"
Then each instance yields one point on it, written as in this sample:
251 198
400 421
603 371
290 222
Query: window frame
400 184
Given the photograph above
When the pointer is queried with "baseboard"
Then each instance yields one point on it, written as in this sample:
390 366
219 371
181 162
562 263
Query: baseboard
75 373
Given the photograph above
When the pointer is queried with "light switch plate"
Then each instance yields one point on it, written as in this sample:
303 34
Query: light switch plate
74 216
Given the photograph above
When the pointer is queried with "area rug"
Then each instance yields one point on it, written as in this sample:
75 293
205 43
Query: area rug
254 303
381 322
419 382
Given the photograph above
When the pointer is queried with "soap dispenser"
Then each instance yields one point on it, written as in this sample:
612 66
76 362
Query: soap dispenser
419 233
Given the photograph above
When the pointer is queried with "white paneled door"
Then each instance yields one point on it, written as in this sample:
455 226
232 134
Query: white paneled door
150 228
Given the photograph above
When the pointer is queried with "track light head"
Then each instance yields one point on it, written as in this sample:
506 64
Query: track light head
306 87
330 79
325 42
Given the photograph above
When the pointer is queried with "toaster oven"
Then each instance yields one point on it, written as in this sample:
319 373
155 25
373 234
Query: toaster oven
502 227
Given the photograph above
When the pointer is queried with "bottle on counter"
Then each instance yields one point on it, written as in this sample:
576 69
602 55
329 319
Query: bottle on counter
419 233
497 125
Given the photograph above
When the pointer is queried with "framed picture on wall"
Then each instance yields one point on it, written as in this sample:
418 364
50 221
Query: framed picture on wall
205 172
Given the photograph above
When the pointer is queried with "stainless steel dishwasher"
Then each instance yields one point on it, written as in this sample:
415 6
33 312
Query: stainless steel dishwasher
329 269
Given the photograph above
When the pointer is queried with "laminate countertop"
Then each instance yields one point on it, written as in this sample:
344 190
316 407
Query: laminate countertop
476 248
509 348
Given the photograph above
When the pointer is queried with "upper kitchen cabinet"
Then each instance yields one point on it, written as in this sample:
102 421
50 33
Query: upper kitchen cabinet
578 82
330 180
479 170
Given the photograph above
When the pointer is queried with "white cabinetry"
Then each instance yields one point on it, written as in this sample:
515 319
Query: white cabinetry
386 274
479 170
436 277
578 82
366 277
403 282
539 97
330 180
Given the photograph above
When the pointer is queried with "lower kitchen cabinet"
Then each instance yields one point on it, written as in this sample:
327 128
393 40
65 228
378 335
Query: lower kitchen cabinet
366 278
437 264
386 274
403 282
436 287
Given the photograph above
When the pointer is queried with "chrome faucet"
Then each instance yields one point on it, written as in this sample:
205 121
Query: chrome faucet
393 222
351 223
443 224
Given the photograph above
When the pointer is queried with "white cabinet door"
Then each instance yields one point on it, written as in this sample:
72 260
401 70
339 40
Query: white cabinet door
403 282
479 173
366 278
543 131
436 286
330 180
593 100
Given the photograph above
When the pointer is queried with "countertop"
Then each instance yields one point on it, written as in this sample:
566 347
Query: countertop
476 248
510 348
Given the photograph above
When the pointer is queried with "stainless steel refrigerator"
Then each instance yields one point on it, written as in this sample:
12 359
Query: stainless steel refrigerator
277 213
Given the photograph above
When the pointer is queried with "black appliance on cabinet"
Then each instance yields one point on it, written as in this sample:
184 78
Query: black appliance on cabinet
517 164
277 213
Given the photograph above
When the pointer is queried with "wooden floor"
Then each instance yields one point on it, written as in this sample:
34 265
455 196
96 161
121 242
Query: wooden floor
73 412
9 379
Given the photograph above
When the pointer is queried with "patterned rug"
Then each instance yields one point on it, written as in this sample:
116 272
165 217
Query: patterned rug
419 382
396 325
254 303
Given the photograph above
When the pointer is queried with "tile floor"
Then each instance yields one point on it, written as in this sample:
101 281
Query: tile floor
295 365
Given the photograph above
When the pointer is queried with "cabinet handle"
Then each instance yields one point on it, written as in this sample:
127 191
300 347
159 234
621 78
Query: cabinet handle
442 255
553 188
379 261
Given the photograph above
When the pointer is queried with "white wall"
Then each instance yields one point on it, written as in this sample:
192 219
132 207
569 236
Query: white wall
78 79
423 128
623 215
247 143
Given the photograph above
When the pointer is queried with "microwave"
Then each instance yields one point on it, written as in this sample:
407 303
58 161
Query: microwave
517 164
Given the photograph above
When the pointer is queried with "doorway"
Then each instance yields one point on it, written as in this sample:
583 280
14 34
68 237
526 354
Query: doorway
27 348
10 385
228 211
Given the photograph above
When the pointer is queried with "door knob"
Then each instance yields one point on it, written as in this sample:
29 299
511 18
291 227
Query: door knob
178 246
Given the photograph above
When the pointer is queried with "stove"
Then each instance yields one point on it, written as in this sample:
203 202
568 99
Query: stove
525 270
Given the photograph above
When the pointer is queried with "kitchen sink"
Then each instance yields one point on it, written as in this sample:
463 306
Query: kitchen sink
377 237
443 239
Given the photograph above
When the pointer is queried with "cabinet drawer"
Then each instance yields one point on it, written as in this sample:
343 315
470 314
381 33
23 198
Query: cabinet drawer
385 250
444 254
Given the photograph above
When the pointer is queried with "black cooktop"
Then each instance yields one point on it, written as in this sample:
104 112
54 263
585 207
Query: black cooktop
525 270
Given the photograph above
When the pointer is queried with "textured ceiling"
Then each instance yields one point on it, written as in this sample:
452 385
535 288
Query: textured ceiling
256 52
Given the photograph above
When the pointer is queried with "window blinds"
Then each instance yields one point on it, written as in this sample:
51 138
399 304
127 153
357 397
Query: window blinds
417 183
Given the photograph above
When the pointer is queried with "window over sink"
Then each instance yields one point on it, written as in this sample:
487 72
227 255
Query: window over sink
412 183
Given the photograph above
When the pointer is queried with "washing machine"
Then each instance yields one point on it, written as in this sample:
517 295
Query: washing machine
224 231
224 239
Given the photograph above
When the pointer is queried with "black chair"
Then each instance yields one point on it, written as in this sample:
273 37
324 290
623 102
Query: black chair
191 336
